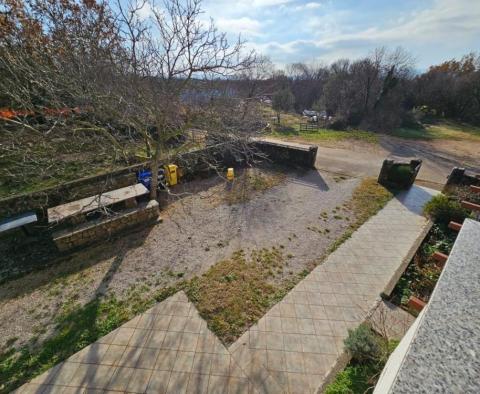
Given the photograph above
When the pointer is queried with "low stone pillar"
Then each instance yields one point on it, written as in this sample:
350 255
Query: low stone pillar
399 174
456 176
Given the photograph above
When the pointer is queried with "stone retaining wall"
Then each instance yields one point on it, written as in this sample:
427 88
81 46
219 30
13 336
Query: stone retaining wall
103 228
289 154
462 177
190 163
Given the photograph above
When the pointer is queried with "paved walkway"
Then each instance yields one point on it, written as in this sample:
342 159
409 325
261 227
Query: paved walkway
292 349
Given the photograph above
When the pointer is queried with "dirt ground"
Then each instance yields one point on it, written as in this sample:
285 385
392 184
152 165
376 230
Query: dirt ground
302 216
358 158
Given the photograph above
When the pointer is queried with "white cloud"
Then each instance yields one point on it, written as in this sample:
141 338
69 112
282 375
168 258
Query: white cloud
308 6
243 25
146 11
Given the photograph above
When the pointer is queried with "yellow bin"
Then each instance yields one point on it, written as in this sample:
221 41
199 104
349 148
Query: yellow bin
171 174
230 174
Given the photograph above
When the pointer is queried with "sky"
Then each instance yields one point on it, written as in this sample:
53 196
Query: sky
325 30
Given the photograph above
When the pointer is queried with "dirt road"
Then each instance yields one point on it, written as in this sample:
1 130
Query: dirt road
357 158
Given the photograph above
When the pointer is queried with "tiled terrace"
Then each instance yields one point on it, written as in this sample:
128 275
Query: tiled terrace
292 349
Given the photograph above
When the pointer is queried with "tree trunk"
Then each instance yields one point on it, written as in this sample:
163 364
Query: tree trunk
154 168
278 117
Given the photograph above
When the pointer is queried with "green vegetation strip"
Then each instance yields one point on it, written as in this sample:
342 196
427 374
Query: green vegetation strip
325 135
369 352
367 199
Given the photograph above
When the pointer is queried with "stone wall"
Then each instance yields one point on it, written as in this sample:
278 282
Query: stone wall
462 177
289 154
69 191
93 231
190 163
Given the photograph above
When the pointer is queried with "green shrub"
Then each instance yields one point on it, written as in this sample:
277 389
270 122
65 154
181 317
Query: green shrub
362 344
443 209
353 379
401 176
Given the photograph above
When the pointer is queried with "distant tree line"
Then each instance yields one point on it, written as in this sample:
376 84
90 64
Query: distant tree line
379 92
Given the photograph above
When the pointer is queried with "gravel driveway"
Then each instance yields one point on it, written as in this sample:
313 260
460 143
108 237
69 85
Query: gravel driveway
303 215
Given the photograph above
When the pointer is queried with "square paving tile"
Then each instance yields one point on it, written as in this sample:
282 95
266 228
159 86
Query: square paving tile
238 385
65 372
178 383
289 325
183 362
273 324
130 356
172 340
218 384
293 342
123 336
120 379
189 342
166 360
113 354
294 362
92 354
220 364
177 323
202 363
275 360
162 322
298 383
155 339
139 337
305 326
205 342
92 376
148 358
158 382
198 384
275 341
139 381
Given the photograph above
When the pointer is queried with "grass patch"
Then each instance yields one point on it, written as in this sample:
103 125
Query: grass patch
289 128
367 199
251 183
353 379
324 135
233 294
444 130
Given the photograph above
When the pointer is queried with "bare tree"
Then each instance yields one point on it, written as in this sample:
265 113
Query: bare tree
170 52
86 67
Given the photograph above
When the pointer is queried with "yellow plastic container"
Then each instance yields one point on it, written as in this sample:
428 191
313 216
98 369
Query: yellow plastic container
230 174
171 174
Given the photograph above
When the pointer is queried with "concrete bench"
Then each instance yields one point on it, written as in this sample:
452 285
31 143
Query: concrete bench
98 229
124 211
18 221
128 195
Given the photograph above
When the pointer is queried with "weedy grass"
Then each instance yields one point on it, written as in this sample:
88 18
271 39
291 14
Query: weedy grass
289 128
251 183
445 130
233 294
367 199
